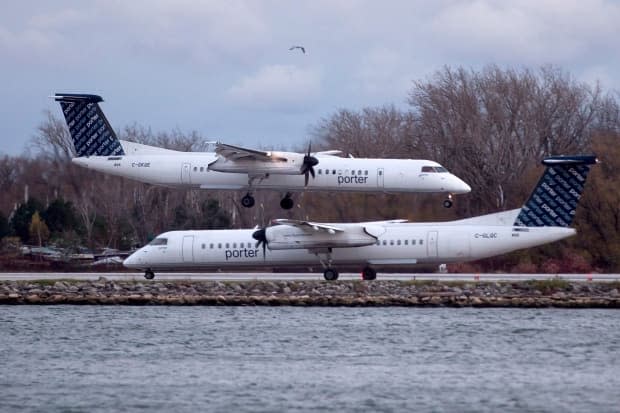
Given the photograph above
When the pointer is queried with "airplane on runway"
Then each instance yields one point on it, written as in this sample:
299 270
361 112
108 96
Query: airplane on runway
545 217
236 168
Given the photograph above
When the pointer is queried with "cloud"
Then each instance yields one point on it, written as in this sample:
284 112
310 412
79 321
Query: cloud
279 87
526 32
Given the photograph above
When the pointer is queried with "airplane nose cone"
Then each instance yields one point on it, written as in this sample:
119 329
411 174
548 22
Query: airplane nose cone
132 261
459 186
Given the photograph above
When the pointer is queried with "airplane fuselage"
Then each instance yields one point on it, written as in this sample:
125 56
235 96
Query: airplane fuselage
400 244
191 170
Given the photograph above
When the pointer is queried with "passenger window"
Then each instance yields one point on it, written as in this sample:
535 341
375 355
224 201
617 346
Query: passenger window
391 242
320 171
384 242
203 246
234 245
352 172
219 245
421 241
406 242
365 172
195 168
333 172
211 246
378 242
202 169
380 173
412 242
398 242
227 245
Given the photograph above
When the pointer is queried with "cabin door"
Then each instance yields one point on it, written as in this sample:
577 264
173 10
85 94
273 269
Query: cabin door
431 244
188 248
185 174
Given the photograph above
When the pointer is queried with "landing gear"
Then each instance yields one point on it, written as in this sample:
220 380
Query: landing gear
369 274
448 202
149 274
247 201
330 274
287 201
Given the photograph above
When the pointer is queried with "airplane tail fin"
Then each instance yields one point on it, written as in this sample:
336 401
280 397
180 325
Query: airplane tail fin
90 130
554 200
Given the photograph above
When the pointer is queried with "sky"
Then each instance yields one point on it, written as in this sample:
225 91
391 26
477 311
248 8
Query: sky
224 68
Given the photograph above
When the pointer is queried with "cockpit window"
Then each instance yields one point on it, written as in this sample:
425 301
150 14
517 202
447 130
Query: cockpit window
159 241
433 169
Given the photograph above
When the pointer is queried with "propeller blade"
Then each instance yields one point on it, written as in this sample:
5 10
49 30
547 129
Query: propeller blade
261 238
308 164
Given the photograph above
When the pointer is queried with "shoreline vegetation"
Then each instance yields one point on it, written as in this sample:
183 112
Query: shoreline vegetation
552 293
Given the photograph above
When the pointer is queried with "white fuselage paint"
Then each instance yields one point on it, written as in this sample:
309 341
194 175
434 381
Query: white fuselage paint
190 170
399 244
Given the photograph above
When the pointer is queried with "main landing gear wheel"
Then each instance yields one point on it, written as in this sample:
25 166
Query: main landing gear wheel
369 273
287 203
247 201
330 274
149 275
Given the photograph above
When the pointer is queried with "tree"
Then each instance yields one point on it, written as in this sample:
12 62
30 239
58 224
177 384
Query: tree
38 229
4 226
22 217
60 216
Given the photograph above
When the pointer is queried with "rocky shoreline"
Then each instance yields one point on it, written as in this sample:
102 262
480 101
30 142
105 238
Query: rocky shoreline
531 294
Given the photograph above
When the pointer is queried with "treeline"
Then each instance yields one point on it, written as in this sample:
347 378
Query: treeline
490 127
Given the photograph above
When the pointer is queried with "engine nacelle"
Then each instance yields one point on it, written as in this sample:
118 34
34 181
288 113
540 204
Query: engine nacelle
283 163
284 237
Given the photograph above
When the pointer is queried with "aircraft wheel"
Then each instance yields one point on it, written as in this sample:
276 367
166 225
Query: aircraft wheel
287 203
149 275
247 201
447 203
369 273
330 274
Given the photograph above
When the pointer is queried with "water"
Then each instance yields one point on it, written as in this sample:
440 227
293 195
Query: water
265 359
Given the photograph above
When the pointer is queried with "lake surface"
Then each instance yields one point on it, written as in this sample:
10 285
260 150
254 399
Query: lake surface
265 359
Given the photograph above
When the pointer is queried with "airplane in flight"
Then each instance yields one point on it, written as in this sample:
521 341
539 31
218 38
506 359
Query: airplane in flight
236 168
545 217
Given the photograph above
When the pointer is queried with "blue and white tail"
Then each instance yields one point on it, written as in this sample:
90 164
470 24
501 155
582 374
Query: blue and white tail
554 200
90 130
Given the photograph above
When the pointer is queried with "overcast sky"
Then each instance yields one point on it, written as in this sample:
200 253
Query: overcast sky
223 68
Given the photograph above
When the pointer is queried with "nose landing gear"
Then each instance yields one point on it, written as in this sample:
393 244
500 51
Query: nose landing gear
448 202
149 274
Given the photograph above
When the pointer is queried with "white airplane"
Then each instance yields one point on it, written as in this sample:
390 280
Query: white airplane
235 168
544 218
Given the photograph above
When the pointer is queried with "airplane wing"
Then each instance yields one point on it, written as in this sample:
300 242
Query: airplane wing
234 153
307 225
294 234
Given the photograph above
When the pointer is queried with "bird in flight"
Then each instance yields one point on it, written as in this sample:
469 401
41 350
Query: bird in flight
303 49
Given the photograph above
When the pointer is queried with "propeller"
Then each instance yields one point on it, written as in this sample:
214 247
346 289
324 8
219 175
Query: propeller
307 166
260 235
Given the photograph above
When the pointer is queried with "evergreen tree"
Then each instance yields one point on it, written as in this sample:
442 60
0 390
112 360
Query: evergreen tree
60 216
4 226
20 222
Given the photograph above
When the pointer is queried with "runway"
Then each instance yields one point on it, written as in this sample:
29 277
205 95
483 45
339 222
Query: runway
270 276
